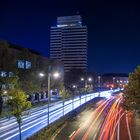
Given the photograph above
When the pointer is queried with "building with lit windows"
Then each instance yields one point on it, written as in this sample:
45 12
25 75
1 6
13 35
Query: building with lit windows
68 43
23 60
112 80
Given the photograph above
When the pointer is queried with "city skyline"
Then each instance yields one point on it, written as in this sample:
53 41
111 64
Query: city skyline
113 29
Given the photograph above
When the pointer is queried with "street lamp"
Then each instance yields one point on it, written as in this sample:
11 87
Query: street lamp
86 84
90 79
5 97
99 83
74 86
113 80
82 79
55 75
5 92
41 74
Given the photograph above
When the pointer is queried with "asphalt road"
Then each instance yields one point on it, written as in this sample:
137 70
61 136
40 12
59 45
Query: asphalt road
104 121
38 117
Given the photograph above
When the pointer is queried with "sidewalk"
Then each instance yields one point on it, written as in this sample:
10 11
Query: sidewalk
137 126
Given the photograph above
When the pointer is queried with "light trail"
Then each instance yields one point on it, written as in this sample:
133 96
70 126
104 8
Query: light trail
78 131
37 119
116 125
110 120
89 129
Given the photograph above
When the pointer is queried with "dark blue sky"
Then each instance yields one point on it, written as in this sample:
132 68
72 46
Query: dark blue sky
113 26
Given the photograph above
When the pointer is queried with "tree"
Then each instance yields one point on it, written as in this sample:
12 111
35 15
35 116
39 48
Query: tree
8 68
28 79
132 91
64 94
17 105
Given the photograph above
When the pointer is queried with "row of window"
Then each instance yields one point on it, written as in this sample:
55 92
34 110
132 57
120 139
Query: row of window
21 65
6 74
24 64
4 86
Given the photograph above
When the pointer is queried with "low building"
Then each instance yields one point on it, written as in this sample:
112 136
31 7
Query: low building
28 64
112 80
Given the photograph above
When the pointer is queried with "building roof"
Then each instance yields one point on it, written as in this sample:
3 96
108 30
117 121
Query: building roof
115 75
20 48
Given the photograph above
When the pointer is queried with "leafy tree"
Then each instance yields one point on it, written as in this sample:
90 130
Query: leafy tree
17 105
8 66
64 94
132 91
57 84
29 83
28 79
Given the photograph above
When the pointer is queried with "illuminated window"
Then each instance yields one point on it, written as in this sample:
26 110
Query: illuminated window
20 64
11 86
28 65
3 86
3 74
11 74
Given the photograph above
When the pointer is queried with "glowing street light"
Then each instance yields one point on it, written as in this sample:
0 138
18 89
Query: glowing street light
82 79
89 79
74 86
41 74
5 92
85 80
55 75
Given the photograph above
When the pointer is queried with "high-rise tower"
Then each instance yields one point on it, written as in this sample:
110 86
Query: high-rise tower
68 43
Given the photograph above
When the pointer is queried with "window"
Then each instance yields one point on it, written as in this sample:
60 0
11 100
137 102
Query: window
28 65
20 64
11 74
11 86
3 74
3 86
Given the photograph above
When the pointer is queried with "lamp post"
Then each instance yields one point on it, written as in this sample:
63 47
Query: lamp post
99 83
86 84
55 75
113 82
74 87
90 80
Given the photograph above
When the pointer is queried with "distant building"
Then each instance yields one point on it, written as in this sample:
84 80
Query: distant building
68 43
24 61
112 80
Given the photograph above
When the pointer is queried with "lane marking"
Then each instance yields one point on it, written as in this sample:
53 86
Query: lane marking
72 134
118 134
128 128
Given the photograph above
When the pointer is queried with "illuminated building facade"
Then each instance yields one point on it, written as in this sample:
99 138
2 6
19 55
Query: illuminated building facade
68 43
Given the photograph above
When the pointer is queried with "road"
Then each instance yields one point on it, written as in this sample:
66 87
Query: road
105 121
38 117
